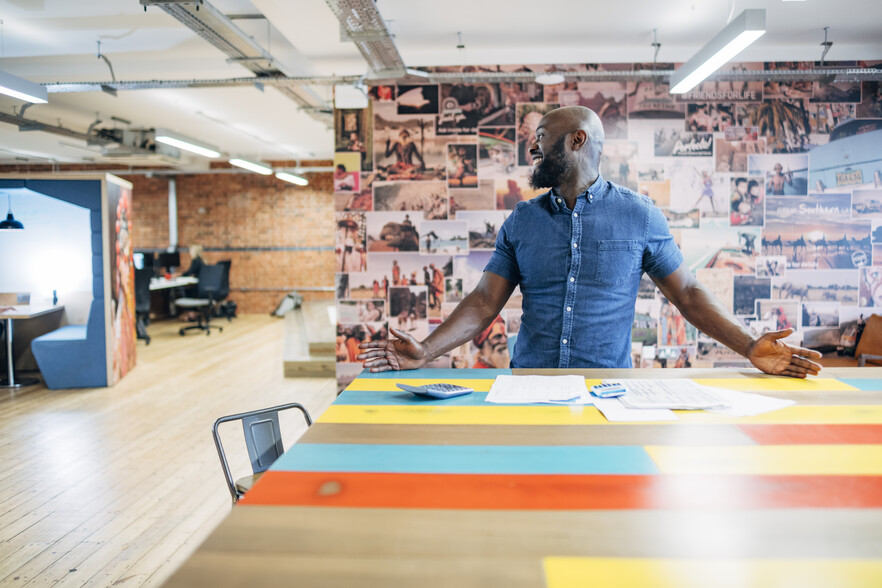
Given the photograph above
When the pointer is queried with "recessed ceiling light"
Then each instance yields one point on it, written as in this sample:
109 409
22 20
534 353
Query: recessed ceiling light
549 79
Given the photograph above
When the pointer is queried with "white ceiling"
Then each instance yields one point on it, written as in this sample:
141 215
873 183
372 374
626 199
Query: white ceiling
55 40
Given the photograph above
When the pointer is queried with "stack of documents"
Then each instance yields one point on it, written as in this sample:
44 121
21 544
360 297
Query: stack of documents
539 390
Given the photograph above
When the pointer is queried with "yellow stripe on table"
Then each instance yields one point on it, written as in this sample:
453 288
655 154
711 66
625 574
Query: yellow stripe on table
578 572
783 460
427 413
384 385
777 384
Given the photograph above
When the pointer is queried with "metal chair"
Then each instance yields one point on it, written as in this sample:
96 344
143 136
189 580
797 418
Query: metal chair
262 438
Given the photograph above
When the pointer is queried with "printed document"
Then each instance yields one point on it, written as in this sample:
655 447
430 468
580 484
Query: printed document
537 389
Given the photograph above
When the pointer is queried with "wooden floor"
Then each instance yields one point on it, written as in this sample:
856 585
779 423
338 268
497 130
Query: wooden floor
117 486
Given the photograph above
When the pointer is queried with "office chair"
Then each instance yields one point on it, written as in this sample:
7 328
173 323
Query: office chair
210 278
224 290
263 440
142 302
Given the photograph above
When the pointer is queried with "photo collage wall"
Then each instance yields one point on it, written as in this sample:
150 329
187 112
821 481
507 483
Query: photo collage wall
773 192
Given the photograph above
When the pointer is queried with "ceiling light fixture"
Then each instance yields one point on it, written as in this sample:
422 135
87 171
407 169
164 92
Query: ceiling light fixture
22 89
257 168
10 222
550 79
294 179
186 143
746 28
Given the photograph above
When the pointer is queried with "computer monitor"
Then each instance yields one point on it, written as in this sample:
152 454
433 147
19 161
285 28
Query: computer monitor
144 259
168 260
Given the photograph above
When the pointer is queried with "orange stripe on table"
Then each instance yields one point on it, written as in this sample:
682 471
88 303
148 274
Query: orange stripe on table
814 434
562 492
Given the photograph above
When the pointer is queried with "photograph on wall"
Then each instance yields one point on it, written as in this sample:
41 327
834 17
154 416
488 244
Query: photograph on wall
816 232
406 269
870 287
729 90
658 192
406 147
353 128
682 219
866 204
717 245
747 290
784 174
367 285
470 268
784 314
361 311
644 329
417 99
824 117
708 117
768 266
483 226
350 242
784 123
819 314
514 189
528 118
450 237
347 166
650 172
775 89
607 99
695 186
652 100
746 201
618 163
489 349
408 310
840 286
739 133
833 91
362 199
678 143
673 329
731 156
465 106
496 152
453 290
480 198
381 93
429 198
462 165
720 283
349 336
341 286
551 91
871 100
393 231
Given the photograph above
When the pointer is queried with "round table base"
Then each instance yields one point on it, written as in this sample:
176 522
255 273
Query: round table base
19 383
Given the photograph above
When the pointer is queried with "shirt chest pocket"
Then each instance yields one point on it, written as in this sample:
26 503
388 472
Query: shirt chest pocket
616 260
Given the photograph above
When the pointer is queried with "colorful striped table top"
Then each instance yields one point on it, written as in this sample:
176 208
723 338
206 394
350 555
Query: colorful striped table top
391 489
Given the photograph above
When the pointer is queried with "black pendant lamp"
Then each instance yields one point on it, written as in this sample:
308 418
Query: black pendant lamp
10 222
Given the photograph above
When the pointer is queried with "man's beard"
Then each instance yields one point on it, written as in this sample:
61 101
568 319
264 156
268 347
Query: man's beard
552 169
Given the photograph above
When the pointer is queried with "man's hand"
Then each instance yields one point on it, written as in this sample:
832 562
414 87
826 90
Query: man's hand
771 355
402 353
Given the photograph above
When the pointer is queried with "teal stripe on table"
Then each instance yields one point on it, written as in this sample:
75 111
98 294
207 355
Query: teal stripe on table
865 384
399 398
466 459
441 374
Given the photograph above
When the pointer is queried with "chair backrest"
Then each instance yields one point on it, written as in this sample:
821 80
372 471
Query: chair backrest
210 278
263 439
225 279
142 289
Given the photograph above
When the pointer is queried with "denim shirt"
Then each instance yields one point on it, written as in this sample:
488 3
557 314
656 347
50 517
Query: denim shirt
579 271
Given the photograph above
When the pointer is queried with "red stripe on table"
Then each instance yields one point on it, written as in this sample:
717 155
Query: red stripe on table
562 492
814 434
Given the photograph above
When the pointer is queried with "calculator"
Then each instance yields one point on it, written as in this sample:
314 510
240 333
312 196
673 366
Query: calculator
608 390
437 390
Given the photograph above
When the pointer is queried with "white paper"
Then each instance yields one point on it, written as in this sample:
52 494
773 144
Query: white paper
536 389
616 412
747 404
674 393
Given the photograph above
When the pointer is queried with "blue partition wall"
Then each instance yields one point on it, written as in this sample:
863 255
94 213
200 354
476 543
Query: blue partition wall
81 362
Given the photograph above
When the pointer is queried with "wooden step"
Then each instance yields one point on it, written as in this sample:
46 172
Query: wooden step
320 328
299 360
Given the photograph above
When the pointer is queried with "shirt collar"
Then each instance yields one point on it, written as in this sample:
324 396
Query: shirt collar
595 191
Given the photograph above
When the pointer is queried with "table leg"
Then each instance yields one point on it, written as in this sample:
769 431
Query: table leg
10 370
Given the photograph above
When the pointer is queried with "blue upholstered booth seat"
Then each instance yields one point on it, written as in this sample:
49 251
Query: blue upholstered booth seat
74 356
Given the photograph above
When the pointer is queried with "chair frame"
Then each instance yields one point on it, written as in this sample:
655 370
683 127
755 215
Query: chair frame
255 453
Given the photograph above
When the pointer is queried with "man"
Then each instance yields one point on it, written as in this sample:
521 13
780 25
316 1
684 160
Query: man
492 344
577 253
405 151
775 186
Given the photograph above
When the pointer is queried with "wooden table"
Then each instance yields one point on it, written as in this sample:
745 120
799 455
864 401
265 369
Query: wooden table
10 313
179 281
387 489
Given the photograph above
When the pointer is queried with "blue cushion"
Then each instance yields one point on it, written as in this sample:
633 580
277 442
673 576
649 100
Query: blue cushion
68 333
74 356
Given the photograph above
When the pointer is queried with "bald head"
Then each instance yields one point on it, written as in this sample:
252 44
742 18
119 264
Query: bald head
567 148
572 118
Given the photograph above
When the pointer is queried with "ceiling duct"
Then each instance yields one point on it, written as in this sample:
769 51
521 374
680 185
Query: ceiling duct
362 24
212 25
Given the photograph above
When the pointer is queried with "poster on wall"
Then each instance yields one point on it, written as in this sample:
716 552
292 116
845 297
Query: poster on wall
122 279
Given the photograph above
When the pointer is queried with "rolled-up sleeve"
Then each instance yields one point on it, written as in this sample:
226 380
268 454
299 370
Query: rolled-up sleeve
661 256
503 262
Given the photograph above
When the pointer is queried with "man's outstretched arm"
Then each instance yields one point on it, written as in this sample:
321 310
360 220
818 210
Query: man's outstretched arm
767 353
470 317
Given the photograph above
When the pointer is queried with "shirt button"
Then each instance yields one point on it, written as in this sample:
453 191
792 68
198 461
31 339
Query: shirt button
569 308
575 245
564 341
558 200
576 214
572 279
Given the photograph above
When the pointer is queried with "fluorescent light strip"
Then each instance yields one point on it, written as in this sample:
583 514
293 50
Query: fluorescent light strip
299 180
251 166
746 28
22 89
188 146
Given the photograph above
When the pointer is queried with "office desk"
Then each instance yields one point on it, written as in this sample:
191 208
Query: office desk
180 281
387 489
10 313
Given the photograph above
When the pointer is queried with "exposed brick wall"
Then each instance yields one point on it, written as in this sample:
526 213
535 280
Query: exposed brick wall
149 212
